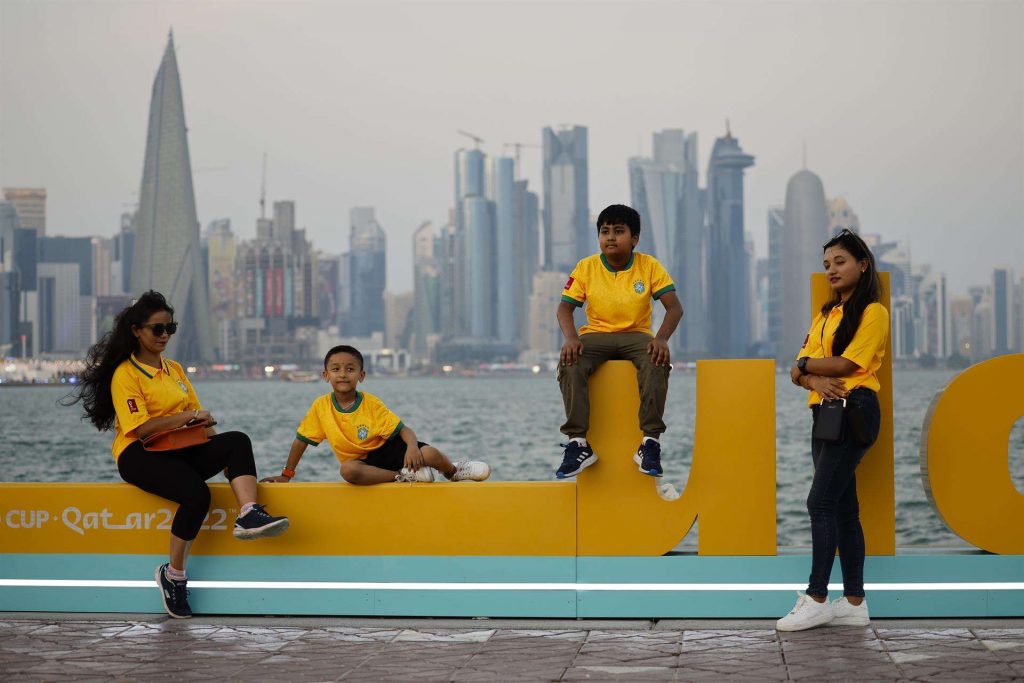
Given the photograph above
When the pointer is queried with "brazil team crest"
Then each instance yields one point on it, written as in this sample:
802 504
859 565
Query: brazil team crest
639 286
362 432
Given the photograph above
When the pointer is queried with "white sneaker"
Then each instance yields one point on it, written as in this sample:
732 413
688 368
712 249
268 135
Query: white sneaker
846 614
807 613
471 470
424 474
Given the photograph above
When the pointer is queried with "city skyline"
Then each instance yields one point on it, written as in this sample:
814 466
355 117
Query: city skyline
922 133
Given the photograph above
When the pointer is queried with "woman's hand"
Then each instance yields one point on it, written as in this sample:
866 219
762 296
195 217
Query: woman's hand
279 479
794 375
828 388
414 457
200 417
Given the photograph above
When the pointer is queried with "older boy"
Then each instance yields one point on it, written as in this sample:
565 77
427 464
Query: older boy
371 443
617 285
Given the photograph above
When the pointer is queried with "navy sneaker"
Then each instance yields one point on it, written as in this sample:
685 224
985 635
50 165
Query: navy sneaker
575 458
648 457
174 594
258 524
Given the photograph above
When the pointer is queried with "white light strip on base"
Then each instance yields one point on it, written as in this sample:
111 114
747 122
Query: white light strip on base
439 586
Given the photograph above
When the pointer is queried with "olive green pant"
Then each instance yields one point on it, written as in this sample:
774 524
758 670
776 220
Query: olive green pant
599 347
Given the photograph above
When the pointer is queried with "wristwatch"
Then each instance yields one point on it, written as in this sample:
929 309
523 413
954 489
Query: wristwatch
801 364
288 473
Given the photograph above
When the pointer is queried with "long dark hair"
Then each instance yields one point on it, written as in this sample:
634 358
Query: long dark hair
105 355
867 291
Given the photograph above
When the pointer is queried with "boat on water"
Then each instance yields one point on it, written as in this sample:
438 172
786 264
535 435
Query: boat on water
300 376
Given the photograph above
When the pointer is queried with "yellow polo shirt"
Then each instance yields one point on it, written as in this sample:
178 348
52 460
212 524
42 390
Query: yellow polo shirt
352 433
617 300
866 349
140 392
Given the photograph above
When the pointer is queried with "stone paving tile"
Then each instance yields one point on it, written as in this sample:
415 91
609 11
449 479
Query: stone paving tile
619 673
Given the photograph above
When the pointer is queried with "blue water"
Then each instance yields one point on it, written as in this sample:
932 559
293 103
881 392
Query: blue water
511 422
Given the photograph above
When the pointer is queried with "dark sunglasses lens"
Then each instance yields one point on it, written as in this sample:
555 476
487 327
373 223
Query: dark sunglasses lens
172 328
160 328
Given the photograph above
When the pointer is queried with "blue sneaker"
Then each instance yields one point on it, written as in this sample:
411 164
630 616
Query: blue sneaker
174 594
576 457
257 523
648 457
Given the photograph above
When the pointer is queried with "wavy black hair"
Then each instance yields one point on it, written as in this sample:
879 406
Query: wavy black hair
109 352
867 291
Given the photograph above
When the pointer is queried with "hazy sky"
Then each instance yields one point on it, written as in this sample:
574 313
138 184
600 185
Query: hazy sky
914 111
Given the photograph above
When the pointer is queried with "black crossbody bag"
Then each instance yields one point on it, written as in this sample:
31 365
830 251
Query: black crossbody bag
828 425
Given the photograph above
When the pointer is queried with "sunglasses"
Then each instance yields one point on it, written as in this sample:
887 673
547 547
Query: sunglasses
160 328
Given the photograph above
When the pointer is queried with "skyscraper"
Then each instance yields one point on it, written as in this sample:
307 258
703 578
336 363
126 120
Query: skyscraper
776 219
567 236
30 204
167 251
1004 312
804 230
508 242
842 217
728 263
426 290
665 191
367 275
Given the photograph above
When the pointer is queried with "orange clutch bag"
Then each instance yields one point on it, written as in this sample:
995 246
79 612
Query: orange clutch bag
173 439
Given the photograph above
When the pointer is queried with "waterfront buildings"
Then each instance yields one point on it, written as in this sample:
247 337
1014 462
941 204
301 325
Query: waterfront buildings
804 231
367 264
567 233
167 250
30 205
729 276
665 190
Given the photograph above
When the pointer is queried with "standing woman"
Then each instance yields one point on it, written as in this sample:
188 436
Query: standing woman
839 360
130 386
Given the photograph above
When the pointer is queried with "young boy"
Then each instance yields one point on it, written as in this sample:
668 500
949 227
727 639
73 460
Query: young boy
617 285
371 443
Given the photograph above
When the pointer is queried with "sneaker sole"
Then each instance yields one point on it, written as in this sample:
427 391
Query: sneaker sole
639 461
163 598
850 621
803 627
584 465
273 529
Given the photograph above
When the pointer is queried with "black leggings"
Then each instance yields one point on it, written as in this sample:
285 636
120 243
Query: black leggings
181 475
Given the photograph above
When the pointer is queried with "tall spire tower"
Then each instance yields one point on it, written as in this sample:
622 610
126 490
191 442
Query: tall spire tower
167 254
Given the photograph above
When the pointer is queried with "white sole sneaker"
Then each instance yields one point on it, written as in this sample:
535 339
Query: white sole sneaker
848 615
273 529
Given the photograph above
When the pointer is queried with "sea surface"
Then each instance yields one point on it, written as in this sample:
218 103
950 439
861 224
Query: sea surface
511 422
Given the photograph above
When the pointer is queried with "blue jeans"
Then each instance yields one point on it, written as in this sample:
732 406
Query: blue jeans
832 502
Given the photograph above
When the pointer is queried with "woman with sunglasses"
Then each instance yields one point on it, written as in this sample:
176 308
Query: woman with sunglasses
129 386
839 360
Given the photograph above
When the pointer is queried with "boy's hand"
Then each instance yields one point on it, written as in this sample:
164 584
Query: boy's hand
828 387
658 348
279 479
413 457
571 351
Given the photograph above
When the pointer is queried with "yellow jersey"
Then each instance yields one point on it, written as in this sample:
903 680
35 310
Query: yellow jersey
617 300
354 432
866 349
141 392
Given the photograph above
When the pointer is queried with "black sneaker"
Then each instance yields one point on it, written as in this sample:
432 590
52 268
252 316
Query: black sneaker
574 459
174 594
648 457
258 524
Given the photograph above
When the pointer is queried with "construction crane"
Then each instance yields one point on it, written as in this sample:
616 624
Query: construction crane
475 138
518 146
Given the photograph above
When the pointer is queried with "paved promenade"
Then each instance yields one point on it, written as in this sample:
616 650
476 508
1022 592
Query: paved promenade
56 647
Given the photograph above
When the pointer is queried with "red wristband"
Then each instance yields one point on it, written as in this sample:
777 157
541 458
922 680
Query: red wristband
288 473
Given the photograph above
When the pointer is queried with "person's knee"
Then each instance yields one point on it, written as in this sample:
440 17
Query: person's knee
239 440
197 497
352 471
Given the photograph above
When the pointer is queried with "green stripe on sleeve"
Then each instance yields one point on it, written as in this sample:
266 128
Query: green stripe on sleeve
397 430
300 437
664 290
569 300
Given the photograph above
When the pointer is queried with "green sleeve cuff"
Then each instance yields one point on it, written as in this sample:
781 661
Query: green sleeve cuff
397 430
664 290
569 300
300 437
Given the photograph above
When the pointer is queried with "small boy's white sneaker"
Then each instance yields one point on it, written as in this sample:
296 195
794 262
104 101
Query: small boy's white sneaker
807 613
846 614
424 474
471 470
